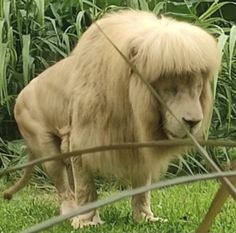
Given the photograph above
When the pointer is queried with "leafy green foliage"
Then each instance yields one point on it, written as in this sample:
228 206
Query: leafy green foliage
34 35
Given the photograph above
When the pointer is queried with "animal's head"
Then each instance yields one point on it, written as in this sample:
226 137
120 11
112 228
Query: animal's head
183 95
179 60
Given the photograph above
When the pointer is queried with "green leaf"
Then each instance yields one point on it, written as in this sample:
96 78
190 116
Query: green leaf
212 9
133 4
7 12
232 42
221 45
79 22
143 5
26 58
40 13
159 8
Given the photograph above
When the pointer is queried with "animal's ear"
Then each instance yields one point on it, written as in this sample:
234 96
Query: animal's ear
132 55
133 51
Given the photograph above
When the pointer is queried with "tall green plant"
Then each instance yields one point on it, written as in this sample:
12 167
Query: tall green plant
35 34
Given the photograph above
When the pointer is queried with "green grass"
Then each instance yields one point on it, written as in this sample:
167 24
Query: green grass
184 207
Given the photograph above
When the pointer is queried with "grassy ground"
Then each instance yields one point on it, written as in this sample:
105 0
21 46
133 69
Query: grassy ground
183 206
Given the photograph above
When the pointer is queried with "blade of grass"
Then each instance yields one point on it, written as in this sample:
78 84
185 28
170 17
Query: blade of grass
3 88
52 46
26 58
232 43
229 104
133 4
10 38
143 5
212 9
1 31
1 9
56 14
184 162
3 49
159 7
7 12
40 12
78 23
89 3
66 40
221 45
53 22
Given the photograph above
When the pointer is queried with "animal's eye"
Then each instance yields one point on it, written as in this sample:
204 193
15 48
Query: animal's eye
171 90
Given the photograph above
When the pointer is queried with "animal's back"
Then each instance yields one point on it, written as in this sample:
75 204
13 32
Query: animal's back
46 99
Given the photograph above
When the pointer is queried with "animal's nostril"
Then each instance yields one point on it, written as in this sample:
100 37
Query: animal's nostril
191 123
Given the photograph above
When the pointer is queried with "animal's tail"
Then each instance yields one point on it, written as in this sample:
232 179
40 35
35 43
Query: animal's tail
21 183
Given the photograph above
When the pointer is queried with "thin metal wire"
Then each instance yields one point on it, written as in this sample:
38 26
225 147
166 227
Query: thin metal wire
123 146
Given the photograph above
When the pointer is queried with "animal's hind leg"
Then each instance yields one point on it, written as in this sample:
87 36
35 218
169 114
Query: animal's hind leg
45 144
58 173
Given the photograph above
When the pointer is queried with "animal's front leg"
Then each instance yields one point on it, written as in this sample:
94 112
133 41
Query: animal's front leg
141 203
85 192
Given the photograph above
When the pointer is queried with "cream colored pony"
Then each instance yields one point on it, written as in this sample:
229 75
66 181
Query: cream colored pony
93 98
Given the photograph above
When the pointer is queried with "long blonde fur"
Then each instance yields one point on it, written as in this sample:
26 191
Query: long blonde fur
96 96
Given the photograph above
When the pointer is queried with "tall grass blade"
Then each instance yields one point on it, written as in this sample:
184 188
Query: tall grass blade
53 22
232 43
1 9
144 5
66 40
26 58
79 22
229 104
212 9
3 82
3 49
159 7
40 13
1 30
89 3
133 4
221 45
7 12
10 38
